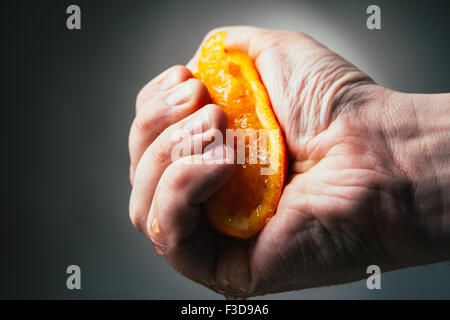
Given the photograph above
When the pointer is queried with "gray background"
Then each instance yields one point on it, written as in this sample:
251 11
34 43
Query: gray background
68 100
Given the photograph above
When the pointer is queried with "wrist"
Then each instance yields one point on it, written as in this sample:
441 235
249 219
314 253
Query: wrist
416 130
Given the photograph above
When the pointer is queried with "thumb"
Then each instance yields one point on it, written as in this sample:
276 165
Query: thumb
253 41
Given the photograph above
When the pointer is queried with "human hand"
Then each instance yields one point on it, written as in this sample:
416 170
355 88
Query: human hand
350 200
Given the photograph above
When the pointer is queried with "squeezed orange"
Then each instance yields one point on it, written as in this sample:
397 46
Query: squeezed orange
250 197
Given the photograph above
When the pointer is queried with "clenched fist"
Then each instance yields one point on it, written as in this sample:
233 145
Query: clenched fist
368 181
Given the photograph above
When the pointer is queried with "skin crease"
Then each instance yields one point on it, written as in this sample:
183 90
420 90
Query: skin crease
367 182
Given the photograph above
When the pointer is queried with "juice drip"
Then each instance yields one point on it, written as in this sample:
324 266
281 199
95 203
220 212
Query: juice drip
154 227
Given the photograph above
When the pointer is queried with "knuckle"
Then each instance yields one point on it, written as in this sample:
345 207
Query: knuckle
292 34
182 73
196 84
138 217
135 221
142 124
199 91
160 152
180 69
140 98
148 116
144 95
216 115
176 178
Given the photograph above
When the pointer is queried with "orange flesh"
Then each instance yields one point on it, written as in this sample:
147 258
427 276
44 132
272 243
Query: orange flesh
249 198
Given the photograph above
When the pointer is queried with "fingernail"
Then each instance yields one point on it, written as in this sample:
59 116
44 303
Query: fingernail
169 81
182 94
198 124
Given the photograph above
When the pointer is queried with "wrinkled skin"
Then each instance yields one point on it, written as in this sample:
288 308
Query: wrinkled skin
347 204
